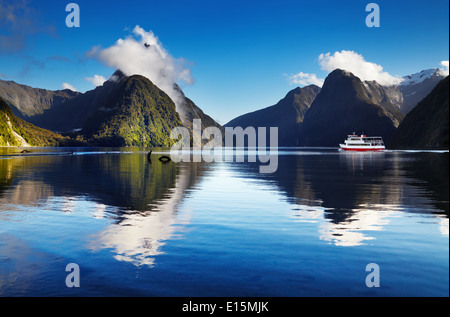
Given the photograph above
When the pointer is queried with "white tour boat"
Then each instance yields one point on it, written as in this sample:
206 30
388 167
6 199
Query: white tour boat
363 143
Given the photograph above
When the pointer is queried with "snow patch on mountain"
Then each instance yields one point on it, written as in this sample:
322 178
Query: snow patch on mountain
421 76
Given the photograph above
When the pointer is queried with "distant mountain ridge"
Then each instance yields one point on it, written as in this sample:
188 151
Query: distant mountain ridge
132 111
421 76
287 115
417 86
345 104
27 102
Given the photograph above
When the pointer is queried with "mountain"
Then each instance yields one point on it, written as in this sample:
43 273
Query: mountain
60 110
30 103
191 111
287 115
427 125
134 113
422 76
72 114
124 111
345 105
17 132
417 86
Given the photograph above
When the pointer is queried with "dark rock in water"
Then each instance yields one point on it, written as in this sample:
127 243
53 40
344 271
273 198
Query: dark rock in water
164 159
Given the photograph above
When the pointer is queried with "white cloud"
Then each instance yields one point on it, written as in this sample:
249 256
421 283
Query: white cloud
356 64
97 80
304 79
68 86
445 69
142 53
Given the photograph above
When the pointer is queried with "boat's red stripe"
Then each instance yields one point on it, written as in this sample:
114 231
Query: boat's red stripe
349 149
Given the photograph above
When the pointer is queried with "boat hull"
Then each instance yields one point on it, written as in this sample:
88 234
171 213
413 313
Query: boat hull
363 149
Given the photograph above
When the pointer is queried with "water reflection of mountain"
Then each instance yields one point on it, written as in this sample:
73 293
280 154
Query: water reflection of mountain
140 197
430 170
138 237
348 194
355 193
345 181
128 181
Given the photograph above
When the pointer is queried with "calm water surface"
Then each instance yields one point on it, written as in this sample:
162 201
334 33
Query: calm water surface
140 228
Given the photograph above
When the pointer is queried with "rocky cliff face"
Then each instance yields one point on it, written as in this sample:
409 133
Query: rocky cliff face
345 105
427 125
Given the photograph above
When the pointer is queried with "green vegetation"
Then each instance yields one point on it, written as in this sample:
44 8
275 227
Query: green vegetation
15 131
137 113
132 112
127 111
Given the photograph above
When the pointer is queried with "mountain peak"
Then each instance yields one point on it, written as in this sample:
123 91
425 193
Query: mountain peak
287 115
341 72
419 77
344 104
297 92
341 76
116 76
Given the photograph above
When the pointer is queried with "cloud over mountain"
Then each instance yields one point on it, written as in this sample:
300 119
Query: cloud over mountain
143 54
355 63
445 70
350 61
96 80
68 86
305 79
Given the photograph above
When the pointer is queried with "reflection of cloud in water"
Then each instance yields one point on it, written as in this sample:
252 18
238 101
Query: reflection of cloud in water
354 231
69 204
443 226
99 211
304 213
351 232
138 237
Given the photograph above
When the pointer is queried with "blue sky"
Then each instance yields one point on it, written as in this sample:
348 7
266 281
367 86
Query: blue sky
241 55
